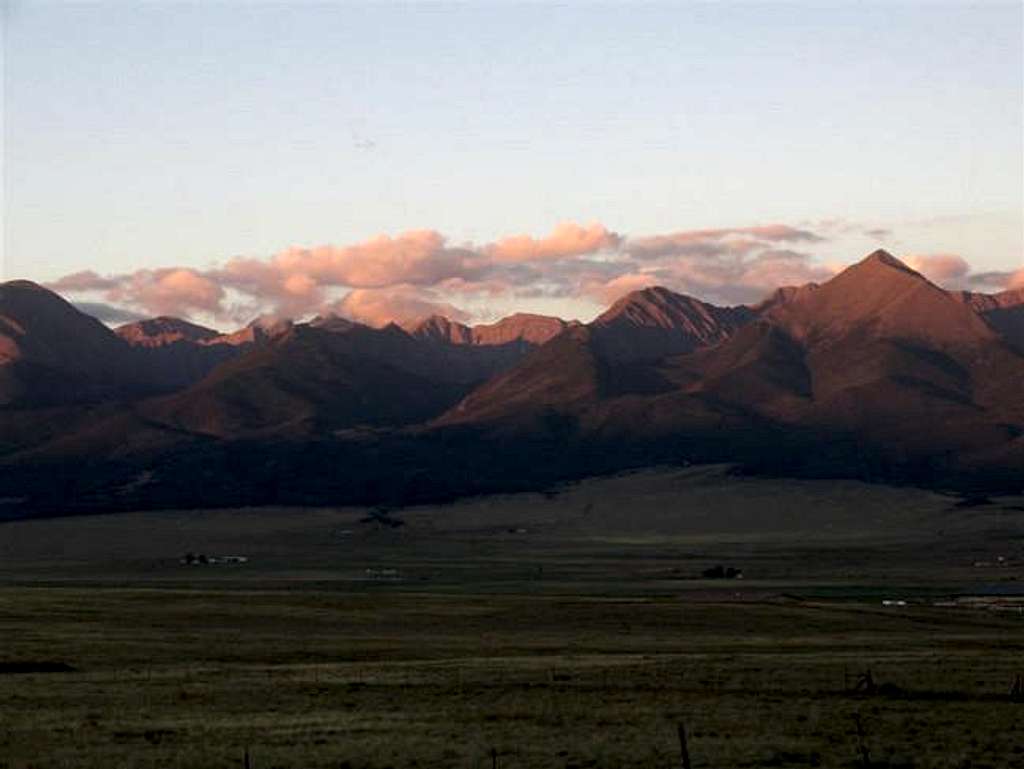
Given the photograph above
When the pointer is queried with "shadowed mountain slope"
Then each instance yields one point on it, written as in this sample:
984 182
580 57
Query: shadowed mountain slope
306 381
655 322
785 295
876 374
1003 311
175 353
878 352
53 354
312 379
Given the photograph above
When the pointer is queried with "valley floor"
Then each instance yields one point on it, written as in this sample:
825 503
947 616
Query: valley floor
572 629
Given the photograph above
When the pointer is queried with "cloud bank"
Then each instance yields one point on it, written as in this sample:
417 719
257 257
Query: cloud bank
417 273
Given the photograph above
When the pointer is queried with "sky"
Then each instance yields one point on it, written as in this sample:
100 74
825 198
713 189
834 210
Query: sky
383 160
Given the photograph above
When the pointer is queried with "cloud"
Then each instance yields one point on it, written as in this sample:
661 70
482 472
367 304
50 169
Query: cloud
568 239
743 281
838 227
953 271
418 257
995 280
419 272
773 269
86 280
172 291
399 304
939 268
109 314
735 241
781 233
299 281
177 291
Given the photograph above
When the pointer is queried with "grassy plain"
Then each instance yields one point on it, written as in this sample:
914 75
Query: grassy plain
562 630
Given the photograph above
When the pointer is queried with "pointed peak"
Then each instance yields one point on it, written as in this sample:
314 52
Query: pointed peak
879 268
884 258
659 296
646 296
649 302
652 292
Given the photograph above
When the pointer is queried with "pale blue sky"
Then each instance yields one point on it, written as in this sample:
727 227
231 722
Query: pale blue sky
159 134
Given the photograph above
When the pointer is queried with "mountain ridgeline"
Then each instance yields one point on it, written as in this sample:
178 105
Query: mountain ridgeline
877 374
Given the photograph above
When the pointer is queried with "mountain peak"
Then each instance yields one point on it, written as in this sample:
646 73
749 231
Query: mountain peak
879 273
882 258
883 296
438 328
659 292
655 322
163 330
655 306
656 295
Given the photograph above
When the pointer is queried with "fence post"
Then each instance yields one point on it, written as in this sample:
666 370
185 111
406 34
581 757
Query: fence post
1017 689
865 756
684 751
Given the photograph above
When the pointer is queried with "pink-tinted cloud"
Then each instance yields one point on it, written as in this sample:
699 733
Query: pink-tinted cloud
567 240
173 291
939 268
419 257
400 304
1016 279
176 291
298 276
773 269
419 272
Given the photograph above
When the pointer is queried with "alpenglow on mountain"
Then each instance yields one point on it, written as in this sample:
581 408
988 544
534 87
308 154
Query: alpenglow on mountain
876 374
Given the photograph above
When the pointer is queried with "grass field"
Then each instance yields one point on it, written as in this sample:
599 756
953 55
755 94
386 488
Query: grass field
561 630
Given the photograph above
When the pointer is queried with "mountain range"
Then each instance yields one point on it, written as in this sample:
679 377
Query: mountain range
876 374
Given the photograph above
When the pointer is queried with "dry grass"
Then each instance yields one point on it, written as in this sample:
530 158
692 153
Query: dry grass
577 643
